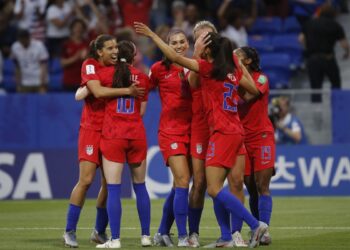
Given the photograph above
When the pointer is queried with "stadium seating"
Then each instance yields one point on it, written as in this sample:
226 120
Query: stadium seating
9 82
276 67
289 44
266 26
55 75
291 25
261 43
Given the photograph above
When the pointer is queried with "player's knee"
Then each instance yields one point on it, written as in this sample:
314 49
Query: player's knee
199 186
182 181
263 188
213 191
85 181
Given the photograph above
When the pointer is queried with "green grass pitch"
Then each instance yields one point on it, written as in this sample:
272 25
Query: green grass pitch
297 223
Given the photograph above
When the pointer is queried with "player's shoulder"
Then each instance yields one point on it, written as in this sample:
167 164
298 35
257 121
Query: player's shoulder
260 78
91 61
157 66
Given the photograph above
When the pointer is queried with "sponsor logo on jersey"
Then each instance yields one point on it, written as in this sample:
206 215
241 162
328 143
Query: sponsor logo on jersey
231 77
199 148
174 145
89 149
90 69
167 76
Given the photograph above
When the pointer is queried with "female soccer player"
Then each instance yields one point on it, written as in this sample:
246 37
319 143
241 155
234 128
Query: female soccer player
103 53
219 81
259 140
124 140
174 137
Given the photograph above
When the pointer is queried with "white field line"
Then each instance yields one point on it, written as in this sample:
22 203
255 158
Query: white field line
154 228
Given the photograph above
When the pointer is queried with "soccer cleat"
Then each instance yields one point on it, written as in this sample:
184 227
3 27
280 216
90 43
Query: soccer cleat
168 242
146 241
162 240
220 243
194 240
266 239
70 239
110 244
98 238
183 242
158 240
238 240
257 234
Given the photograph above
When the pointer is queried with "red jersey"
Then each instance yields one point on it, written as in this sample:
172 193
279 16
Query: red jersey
135 11
254 114
71 73
199 121
93 110
175 95
122 117
220 100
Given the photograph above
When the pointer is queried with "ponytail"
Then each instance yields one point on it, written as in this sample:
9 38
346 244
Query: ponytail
122 74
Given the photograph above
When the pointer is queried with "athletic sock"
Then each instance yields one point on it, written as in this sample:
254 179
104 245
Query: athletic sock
234 206
72 217
254 206
101 219
194 218
236 223
114 209
265 208
223 219
180 210
143 207
168 214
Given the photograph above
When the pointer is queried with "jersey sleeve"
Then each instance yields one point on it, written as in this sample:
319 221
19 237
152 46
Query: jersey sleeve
145 83
262 83
153 79
89 72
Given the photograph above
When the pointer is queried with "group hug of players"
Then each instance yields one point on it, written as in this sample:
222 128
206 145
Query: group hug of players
214 126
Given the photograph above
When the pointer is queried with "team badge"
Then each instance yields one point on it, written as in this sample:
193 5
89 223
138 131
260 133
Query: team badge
199 148
174 145
262 79
89 149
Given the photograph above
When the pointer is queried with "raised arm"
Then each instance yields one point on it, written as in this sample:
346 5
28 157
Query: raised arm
169 53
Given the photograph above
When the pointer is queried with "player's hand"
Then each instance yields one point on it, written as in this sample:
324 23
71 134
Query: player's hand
201 43
143 29
136 91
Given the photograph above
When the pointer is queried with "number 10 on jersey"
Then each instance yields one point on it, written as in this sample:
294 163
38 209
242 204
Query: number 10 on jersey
125 105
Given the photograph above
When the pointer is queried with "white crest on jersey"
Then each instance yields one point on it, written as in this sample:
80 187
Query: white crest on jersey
174 145
186 70
90 69
89 149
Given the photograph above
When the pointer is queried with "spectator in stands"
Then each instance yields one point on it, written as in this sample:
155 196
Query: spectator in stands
7 28
288 128
73 54
303 10
30 57
58 18
31 16
320 37
95 16
135 10
234 24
